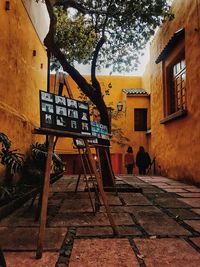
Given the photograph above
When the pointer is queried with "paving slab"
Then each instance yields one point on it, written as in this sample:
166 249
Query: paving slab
175 190
107 231
196 211
20 218
167 253
134 199
102 252
21 238
195 224
157 223
112 199
25 259
170 202
189 195
152 190
89 219
193 202
183 214
196 241
75 205
194 189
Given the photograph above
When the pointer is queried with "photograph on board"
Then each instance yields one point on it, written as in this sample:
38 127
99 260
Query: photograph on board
47 107
85 126
83 106
61 111
60 100
71 103
84 116
46 97
48 119
73 113
60 121
74 125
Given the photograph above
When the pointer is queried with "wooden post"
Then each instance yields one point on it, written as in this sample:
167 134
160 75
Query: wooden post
100 186
43 215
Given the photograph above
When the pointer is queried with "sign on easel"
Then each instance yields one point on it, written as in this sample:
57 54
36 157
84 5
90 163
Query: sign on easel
62 113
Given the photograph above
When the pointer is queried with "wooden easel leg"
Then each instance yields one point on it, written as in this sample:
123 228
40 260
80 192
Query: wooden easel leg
85 174
100 186
45 194
78 180
97 200
98 157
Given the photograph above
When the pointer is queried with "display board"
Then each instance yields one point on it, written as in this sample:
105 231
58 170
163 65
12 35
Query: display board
98 130
62 113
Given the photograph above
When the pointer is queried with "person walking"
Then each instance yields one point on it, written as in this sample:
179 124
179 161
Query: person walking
129 160
142 160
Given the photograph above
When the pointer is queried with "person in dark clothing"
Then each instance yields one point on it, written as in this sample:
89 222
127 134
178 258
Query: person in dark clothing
129 160
142 160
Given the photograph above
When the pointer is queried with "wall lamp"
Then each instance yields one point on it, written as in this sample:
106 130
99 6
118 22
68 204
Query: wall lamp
7 5
119 106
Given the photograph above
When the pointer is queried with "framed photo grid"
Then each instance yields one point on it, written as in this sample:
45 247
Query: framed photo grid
62 113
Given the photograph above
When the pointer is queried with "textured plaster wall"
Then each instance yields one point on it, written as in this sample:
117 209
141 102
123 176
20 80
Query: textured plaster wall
176 144
21 75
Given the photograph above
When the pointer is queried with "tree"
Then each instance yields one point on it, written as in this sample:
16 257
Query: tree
105 32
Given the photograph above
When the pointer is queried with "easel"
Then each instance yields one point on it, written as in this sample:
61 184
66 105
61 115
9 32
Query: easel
56 133
97 148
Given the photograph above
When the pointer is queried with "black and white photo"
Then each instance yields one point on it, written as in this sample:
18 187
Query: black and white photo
61 111
48 118
47 97
60 121
47 107
74 124
85 126
60 100
83 106
71 103
84 116
73 113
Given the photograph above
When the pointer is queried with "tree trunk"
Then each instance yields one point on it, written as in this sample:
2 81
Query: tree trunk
93 92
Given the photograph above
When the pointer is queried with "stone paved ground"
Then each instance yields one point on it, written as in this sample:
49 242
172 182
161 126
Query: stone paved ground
158 227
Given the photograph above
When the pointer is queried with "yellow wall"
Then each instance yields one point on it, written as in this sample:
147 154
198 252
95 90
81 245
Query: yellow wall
21 75
124 120
176 144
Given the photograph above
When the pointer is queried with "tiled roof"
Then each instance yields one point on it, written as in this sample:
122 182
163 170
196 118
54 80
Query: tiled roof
137 91
179 35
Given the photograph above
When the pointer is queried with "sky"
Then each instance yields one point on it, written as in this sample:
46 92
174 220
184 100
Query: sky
85 69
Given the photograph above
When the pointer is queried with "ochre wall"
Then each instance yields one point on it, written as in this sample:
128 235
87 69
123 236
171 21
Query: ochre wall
21 75
124 120
176 144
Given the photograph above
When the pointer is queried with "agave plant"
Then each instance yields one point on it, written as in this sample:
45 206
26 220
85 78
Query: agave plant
12 159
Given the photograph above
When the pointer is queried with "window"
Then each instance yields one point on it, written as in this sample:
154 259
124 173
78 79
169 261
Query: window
176 89
174 70
140 119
